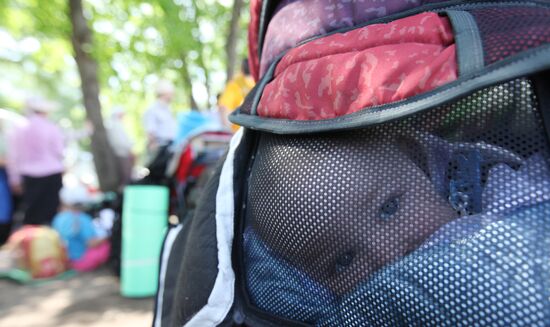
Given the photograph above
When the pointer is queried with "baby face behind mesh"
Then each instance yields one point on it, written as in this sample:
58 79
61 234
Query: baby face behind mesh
341 207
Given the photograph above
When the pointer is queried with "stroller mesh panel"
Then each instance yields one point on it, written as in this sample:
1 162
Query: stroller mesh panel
437 219
508 31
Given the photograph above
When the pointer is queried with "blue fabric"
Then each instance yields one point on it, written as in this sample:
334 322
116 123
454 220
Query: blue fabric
440 152
506 190
499 276
76 230
491 268
5 199
465 182
530 184
277 287
191 122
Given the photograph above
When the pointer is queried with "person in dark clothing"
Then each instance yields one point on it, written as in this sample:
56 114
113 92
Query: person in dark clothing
35 163
6 202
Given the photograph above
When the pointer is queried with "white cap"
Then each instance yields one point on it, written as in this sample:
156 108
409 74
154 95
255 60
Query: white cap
74 195
39 104
164 87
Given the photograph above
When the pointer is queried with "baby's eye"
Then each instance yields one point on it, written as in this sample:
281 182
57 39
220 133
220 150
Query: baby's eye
389 208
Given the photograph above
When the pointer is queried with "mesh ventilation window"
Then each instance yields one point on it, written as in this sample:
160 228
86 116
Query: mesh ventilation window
508 31
441 219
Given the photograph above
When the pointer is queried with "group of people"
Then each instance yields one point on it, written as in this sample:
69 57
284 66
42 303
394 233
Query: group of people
34 154
32 166
158 120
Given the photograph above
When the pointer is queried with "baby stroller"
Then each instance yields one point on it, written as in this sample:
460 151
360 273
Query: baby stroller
392 170
199 144
193 162
183 166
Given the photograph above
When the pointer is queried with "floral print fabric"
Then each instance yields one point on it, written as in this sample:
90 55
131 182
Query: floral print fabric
374 65
298 20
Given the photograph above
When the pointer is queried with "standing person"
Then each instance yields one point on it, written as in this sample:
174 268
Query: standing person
158 121
35 162
121 143
234 93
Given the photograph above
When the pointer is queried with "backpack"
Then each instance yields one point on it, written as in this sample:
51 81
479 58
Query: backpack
392 170
40 251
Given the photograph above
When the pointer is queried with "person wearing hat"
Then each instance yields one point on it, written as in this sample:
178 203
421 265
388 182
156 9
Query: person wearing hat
86 247
35 162
158 121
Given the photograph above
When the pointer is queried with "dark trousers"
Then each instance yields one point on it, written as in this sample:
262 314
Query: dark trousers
41 198
5 230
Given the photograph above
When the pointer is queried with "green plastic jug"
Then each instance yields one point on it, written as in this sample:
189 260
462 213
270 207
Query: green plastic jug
144 222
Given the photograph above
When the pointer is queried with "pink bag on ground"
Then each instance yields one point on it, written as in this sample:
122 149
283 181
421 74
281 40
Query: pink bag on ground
92 258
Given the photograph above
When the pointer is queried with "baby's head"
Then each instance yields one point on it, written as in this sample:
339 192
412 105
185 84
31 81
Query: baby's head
367 206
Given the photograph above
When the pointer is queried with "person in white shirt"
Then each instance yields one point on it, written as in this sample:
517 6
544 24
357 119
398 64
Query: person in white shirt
158 121
121 143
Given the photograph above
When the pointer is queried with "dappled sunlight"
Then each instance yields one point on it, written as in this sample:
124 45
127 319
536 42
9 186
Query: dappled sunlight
90 299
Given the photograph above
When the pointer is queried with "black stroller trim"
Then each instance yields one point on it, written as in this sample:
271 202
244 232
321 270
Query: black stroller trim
222 294
162 308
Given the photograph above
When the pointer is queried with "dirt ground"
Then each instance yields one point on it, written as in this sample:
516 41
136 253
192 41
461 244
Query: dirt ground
90 299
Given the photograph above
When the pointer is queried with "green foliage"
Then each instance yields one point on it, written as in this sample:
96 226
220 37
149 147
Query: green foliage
135 43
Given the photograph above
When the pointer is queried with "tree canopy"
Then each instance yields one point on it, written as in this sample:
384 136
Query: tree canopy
135 43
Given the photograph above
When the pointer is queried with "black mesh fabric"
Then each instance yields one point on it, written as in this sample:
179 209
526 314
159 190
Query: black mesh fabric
438 219
508 31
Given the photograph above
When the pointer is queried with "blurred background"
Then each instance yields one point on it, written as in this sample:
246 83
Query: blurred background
90 61
194 44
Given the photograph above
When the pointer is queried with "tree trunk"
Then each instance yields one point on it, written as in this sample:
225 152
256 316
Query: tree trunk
206 75
104 158
232 38
188 83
